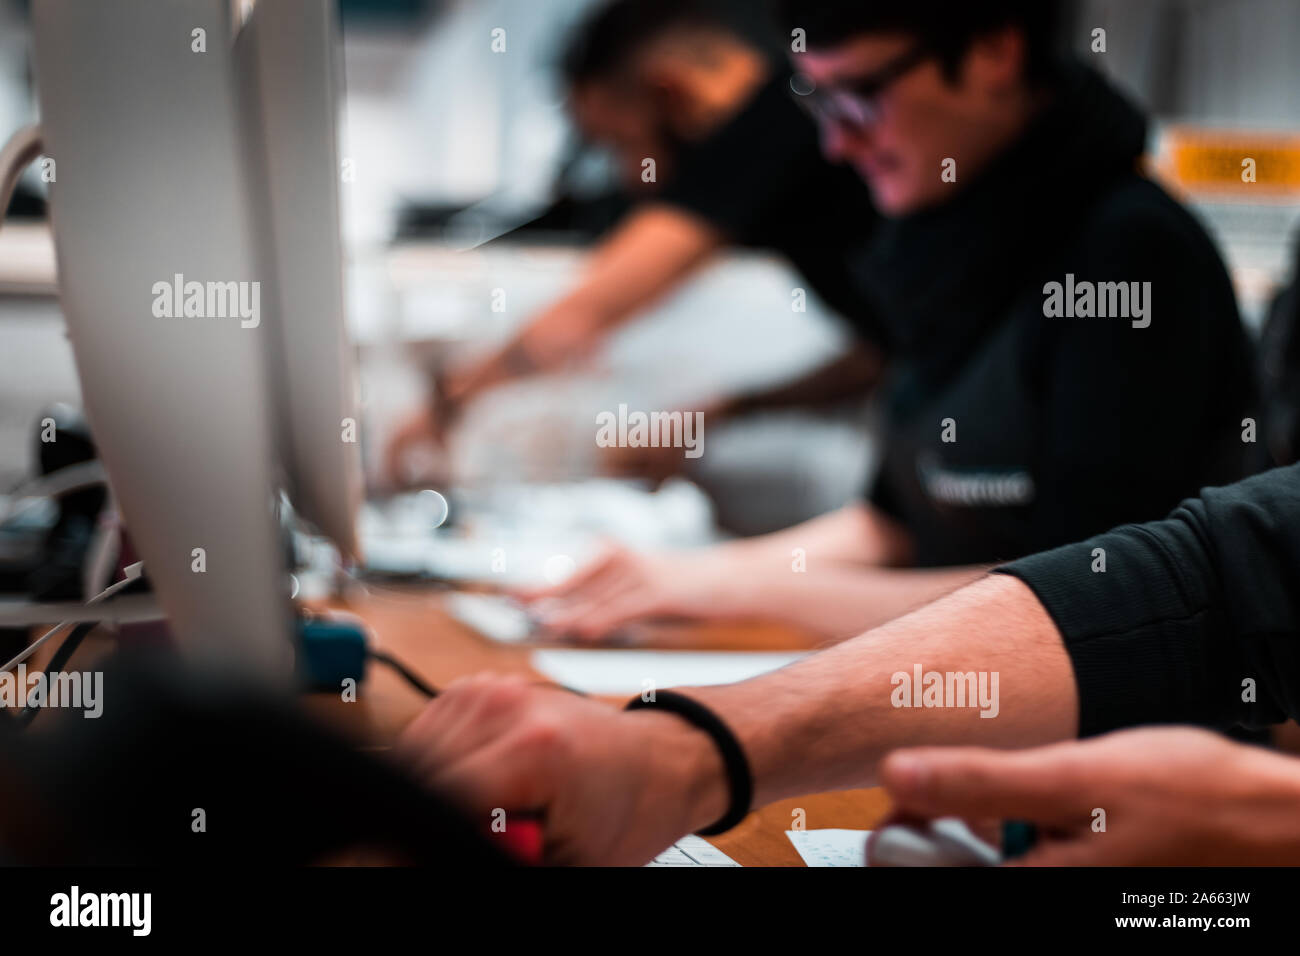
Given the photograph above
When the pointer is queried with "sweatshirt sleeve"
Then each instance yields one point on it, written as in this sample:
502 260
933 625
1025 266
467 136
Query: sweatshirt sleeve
1193 619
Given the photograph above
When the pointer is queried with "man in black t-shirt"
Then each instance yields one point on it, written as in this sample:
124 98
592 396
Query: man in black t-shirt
1063 350
714 153
1196 621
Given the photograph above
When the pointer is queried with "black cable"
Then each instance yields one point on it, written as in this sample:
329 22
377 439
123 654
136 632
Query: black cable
56 665
411 678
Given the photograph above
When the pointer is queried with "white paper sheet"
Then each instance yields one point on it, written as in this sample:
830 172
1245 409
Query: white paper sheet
692 851
495 617
831 847
626 672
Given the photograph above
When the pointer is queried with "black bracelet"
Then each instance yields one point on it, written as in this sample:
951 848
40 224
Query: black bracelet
739 779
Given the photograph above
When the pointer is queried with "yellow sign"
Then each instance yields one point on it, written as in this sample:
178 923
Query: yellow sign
1229 160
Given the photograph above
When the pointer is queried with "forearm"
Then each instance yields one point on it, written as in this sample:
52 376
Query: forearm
652 250
850 376
824 723
645 256
565 330
1267 824
843 600
856 533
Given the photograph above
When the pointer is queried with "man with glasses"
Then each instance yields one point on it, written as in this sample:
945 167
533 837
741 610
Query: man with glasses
1062 342
856 103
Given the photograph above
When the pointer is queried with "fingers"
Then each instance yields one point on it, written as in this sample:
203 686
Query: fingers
1081 850
468 713
614 582
612 562
423 428
495 742
591 622
504 774
606 594
1043 785
406 435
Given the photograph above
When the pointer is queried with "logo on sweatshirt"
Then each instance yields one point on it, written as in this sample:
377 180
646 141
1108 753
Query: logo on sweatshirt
975 488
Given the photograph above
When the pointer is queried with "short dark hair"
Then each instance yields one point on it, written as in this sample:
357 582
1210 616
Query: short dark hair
611 37
947 27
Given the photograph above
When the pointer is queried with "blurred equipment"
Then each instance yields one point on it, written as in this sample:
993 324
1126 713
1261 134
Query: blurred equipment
947 841
51 530
42 557
196 224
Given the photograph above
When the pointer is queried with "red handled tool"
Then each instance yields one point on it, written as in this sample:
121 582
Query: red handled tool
522 838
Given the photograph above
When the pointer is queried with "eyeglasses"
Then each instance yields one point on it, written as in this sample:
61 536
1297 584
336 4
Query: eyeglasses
854 104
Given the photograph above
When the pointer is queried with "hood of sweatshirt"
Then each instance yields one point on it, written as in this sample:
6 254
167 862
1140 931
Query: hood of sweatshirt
952 271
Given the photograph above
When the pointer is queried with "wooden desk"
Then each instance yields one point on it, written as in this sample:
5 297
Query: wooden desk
412 625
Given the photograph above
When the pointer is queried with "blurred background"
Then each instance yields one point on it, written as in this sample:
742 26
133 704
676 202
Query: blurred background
460 156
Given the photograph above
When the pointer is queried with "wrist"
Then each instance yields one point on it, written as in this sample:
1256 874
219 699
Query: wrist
689 761
733 572
1276 784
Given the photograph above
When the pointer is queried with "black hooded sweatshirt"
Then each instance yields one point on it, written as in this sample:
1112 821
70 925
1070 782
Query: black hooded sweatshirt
1010 428
1194 619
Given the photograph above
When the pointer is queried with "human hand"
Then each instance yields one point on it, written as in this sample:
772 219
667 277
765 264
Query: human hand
622 586
422 430
1165 797
610 787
